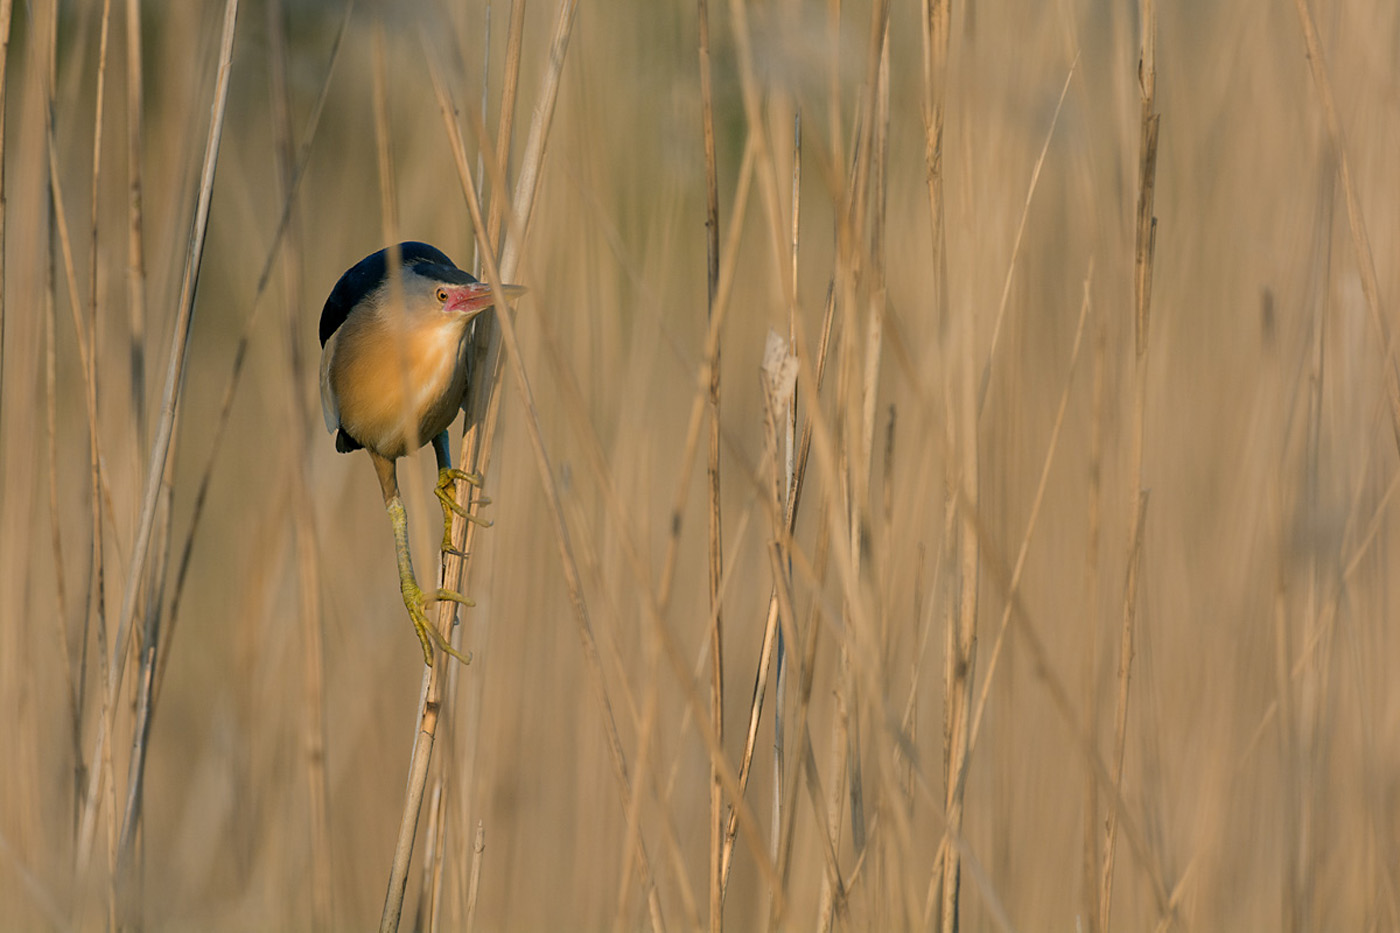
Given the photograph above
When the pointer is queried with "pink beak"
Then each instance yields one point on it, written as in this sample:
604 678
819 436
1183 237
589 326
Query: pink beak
477 297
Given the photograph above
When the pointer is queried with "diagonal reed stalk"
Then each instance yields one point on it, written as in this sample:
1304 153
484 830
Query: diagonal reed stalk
155 581
655 606
1356 222
240 353
573 580
485 376
160 447
454 806
995 655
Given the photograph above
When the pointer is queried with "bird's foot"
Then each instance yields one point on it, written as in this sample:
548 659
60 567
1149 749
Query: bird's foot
444 491
417 603
448 474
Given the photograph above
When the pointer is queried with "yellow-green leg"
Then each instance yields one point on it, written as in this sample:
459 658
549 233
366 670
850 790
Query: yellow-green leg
446 489
413 597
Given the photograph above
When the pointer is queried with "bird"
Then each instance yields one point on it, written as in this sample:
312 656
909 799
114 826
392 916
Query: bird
395 364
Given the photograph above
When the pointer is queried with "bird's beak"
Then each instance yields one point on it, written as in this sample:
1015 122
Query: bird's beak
477 297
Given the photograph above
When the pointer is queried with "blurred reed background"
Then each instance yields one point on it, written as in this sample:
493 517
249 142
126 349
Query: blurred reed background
1087 613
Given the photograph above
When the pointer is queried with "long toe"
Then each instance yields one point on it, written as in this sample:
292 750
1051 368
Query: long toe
449 501
455 597
451 475
421 628
446 646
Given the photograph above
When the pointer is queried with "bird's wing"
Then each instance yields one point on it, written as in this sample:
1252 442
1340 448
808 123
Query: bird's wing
329 409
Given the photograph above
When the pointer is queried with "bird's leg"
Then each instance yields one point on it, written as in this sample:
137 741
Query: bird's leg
413 598
445 489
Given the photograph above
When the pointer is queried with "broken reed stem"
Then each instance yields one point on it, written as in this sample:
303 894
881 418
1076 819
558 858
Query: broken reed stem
474 879
1144 244
716 545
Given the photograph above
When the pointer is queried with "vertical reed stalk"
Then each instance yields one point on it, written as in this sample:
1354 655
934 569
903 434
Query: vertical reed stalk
1089 900
1144 245
98 565
935 35
240 352
299 427
160 448
562 535
136 248
42 65
5 10
962 638
716 551
453 567
960 646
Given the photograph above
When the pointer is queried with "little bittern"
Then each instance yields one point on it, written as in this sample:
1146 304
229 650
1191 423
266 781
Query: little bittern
394 369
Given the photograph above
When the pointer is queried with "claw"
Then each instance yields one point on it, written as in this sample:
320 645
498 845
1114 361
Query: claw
428 635
447 476
471 479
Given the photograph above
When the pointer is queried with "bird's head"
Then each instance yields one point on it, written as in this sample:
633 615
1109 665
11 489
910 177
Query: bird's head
432 291
435 291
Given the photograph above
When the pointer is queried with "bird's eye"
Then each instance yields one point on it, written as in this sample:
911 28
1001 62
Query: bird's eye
441 295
